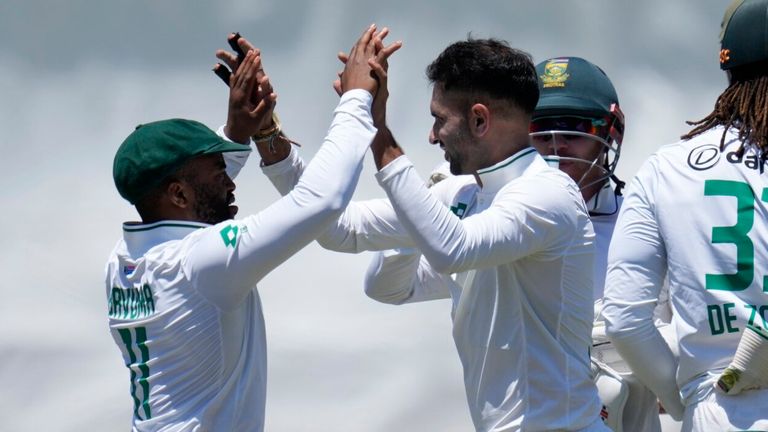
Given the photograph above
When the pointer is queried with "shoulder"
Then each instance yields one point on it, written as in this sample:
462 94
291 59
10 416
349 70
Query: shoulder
452 187
547 191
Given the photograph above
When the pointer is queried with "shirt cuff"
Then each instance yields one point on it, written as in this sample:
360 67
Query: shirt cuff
361 95
220 132
284 166
392 169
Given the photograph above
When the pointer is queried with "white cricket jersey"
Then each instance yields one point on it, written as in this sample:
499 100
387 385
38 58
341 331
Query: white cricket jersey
183 307
396 276
522 249
700 216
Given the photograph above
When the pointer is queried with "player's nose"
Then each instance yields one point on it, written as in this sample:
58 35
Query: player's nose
557 143
431 138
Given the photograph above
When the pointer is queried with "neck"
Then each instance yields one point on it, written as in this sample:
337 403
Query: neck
501 149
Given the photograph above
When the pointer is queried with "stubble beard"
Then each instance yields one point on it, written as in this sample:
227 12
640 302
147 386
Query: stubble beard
457 161
210 207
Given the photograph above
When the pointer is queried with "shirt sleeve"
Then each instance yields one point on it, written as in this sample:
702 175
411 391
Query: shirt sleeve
513 226
236 160
284 175
400 276
636 270
370 225
228 259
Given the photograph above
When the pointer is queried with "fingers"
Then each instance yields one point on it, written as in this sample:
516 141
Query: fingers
246 46
343 57
228 58
241 46
232 40
390 49
364 40
253 65
265 85
222 72
379 70
378 38
263 106
244 78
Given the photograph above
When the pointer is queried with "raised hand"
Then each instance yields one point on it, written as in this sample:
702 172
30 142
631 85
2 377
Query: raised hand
251 99
252 112
357 74
379 66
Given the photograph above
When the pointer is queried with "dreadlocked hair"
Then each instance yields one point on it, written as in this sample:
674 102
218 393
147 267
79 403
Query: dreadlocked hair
743 106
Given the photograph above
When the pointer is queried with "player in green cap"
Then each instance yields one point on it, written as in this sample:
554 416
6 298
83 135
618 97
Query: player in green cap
697 212
181 284
579 127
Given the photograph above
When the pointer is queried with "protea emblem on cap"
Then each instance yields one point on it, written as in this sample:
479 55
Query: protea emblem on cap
555 73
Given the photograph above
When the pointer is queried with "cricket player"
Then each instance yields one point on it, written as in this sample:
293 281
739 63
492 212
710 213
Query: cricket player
696 211
183 308
579 126
507 236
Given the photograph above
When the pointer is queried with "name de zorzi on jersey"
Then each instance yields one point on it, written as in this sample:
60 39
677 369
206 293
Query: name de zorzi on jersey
706 156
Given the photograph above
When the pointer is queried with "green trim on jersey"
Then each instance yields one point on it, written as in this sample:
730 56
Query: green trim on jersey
524 153
138 228
760 332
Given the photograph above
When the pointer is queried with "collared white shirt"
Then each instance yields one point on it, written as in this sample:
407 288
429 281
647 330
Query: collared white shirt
699 216
183 308
522 300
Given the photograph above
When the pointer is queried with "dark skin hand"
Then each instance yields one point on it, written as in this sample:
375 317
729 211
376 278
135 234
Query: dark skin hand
279 148
251 106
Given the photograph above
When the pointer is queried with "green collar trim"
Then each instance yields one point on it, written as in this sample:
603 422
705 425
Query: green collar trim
142 227
496 168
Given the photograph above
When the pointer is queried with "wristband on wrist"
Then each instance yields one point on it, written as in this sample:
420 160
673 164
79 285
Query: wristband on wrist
271 133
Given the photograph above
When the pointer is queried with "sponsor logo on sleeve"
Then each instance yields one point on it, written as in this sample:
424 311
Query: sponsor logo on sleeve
229 235
459 209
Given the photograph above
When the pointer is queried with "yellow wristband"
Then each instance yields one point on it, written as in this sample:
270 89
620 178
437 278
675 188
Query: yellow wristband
270 132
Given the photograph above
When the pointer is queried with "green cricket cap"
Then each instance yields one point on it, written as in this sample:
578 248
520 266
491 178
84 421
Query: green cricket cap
744 33
153 151
572 86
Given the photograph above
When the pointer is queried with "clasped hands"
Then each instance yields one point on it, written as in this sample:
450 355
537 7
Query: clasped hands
252 98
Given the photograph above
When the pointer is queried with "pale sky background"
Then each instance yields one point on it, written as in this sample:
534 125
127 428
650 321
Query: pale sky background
78 75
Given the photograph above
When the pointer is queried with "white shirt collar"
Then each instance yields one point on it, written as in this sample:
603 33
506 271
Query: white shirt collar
139 238
496 176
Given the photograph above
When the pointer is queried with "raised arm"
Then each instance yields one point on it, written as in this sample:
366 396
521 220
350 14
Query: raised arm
248 249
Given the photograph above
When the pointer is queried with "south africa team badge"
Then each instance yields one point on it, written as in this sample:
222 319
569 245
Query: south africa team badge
555 73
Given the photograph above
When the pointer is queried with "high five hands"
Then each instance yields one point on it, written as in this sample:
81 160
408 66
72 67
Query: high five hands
366 67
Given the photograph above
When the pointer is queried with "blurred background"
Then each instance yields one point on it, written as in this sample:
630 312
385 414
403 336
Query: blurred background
78 75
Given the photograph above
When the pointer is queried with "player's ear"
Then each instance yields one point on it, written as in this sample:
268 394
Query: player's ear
179 193
479 119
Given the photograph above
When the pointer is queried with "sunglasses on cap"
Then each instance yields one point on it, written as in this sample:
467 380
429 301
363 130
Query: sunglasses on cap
597 127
